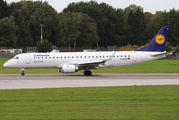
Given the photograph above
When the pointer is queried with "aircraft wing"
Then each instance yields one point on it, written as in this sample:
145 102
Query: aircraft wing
91 62
94 63
97 61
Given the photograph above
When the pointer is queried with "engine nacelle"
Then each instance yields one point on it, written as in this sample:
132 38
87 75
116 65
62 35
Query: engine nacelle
68 69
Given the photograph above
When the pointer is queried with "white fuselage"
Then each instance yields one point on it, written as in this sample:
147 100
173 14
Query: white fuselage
56 60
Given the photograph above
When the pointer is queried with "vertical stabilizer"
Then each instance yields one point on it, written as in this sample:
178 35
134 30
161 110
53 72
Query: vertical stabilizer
157 44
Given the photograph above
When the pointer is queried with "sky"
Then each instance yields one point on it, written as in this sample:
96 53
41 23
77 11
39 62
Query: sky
148 5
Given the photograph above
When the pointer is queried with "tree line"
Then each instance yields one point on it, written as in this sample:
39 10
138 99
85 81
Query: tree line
82 24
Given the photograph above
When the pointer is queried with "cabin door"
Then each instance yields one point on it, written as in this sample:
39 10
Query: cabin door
27 58
135 56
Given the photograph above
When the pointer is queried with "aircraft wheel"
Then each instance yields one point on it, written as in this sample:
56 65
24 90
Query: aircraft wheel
22 72
87 73
90 73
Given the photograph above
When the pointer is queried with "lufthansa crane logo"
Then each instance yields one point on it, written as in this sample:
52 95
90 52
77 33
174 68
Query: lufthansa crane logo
160 39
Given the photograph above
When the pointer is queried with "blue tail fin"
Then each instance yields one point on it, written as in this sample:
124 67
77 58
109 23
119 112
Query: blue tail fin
157 44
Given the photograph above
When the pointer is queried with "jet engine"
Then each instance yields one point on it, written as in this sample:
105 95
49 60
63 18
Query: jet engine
68 69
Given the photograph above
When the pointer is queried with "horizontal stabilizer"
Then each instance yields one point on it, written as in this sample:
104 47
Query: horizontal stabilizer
163 53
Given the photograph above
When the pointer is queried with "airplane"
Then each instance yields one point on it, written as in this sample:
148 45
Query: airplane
71 62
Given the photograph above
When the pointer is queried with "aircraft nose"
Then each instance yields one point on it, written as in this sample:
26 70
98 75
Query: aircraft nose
6 64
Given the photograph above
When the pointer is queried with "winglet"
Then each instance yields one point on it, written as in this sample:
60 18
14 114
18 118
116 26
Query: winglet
111 56
157 44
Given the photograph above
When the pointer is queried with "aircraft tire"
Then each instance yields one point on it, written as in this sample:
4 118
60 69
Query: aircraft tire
22 74
87 73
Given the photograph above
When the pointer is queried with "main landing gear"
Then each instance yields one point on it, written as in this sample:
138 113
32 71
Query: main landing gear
87 73
22 72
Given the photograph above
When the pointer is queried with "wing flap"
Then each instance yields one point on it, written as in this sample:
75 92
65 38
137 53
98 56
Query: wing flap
91 62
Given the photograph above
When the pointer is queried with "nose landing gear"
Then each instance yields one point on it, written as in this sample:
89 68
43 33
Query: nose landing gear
23 73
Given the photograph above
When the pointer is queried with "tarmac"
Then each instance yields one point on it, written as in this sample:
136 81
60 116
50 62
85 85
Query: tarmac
31 81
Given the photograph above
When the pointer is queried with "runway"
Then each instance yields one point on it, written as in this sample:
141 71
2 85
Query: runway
29 81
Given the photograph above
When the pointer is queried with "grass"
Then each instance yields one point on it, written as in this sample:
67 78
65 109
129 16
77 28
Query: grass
134 102
157 66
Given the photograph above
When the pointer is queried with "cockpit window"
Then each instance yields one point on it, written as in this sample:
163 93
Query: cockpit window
15 57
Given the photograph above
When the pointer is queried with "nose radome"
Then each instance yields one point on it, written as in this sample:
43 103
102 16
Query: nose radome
6 64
